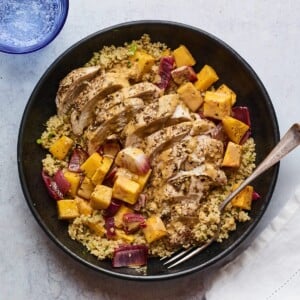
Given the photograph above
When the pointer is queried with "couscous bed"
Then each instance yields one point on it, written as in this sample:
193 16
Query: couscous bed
143 150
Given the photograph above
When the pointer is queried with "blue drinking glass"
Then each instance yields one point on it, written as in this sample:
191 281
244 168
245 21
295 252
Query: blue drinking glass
29 25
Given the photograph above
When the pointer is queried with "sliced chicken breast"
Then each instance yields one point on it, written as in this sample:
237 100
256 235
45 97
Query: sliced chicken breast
114 122
169 110
163 139
144 90
86 102
140 90
71 86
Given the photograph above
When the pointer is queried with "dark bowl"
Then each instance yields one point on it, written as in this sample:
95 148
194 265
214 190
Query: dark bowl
206 48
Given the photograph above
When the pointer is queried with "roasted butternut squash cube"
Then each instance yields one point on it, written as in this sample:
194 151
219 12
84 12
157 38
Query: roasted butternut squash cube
233 154
143 179
102 170
190 96
126 190
183 57
84 207
205 78
122 235
226 90
61 147
216 105
155 229
74 180
243 200
96 228
140 179
126 173
234 128
67 209
118 217
143 62
86 188
91 164
101 197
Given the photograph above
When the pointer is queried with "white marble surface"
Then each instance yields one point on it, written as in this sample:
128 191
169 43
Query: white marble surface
265 33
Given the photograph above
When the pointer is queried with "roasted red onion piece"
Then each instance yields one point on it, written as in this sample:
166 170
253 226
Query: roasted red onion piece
130 256
110 177
62 183
140 203
112 208
110 228
111 148
245 137
133 159
242 114
255 196
77 158
166 65
52 187
133 222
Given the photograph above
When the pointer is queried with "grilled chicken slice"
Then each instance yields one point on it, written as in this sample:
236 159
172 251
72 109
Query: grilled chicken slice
210 149
114 122
169 110
212 172
186 185
71 86
142 90
163 139
188 154
85 103
202 126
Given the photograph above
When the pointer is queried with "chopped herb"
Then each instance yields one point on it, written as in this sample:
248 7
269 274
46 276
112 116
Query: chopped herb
132 49
51 135
39 141
128 64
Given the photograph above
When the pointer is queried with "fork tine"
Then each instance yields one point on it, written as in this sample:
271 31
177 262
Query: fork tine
168 256
189 255
185 258
178 255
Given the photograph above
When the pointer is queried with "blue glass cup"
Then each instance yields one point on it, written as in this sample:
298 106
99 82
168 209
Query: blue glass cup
29 25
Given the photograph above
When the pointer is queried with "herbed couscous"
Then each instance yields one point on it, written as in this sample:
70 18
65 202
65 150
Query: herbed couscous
143 150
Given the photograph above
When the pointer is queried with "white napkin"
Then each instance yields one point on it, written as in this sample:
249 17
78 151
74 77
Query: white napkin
270 268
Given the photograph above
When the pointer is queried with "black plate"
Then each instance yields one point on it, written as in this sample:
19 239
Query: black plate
232 70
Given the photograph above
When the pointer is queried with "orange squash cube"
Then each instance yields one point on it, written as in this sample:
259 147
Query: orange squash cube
126 190
206 77
243 200
183 57
233 154
155 229
61 147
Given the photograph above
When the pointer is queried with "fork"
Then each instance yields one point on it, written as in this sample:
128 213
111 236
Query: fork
288 142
